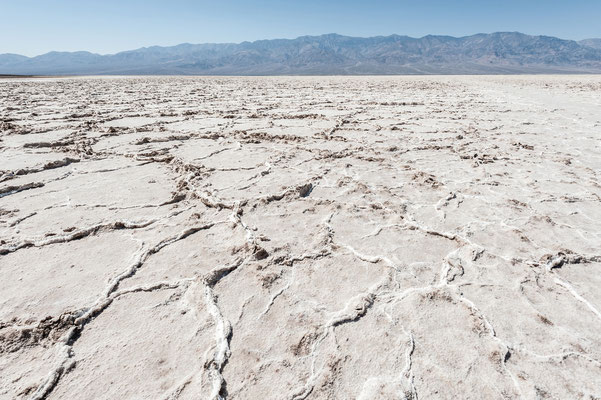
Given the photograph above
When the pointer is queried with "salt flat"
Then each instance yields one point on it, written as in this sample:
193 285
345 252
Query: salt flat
292 238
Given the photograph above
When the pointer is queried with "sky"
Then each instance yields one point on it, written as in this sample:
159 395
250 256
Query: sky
108 26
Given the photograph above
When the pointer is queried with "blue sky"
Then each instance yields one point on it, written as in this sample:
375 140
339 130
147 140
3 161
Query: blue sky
107 26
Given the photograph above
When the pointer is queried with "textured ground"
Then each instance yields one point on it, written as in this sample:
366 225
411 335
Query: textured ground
291 238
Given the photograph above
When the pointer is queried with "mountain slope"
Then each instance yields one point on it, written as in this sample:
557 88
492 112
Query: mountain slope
594 43
502 52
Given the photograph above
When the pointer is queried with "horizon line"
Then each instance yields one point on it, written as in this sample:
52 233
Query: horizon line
291 39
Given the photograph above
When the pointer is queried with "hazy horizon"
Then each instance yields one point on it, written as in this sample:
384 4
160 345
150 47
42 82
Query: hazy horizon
110 27
282 38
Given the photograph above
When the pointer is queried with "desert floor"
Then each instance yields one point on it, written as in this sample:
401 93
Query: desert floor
292 238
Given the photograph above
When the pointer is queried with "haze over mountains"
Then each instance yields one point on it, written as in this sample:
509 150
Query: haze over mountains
496 53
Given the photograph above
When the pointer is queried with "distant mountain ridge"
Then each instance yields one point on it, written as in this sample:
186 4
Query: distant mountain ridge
495 53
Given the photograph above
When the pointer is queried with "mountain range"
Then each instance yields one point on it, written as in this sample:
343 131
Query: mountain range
495 53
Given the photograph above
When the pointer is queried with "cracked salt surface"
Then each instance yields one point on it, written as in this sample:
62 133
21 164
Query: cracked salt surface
391 237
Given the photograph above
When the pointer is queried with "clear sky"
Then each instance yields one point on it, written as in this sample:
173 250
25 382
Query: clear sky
107 26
